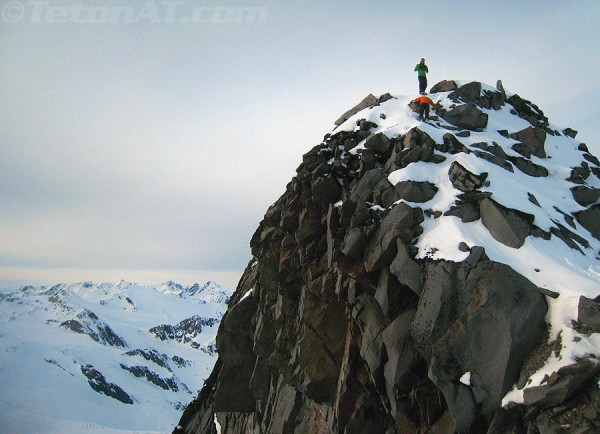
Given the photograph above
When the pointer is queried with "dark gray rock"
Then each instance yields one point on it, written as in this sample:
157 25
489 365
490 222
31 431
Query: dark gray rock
326 190
533 138
235 343
464 180
354 243
408 271
590 219
529 168
528 111
493 149
373 182
379 143
98 382
467 212
570 132
589 314
563 384
414 191
368 101
498 161
508 421
443 86
469 92
461 305
465 116
403 223
508 226
585 196
452 145
414 146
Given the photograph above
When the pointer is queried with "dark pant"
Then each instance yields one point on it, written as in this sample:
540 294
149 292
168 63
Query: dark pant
423 110
422 83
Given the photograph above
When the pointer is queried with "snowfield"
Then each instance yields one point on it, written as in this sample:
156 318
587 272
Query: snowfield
105 358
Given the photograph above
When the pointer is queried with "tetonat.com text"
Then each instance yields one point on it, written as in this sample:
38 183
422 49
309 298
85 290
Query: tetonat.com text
148 12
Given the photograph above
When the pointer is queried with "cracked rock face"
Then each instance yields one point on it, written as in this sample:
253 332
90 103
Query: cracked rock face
350 319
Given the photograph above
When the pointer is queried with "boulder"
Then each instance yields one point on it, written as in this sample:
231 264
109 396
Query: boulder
379 143
528 111
585 196
373 182
452 145
533 138
508 226
414 191
459 308
414 146
465 116
443 86
589 314
469 92
463 180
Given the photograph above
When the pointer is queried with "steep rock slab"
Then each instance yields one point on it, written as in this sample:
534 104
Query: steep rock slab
459 311
590 219
366 102
402 222
585 196
508 226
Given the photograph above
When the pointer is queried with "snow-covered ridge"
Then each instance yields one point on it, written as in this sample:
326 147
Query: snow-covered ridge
561 256
86 357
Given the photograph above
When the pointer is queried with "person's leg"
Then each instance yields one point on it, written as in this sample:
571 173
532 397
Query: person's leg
422 108
426 111
422 84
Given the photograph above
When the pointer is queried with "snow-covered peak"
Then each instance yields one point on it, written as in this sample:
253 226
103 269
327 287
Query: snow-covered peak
538 185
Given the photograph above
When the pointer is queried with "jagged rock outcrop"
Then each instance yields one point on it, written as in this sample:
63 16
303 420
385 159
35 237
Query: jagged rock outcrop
356 316
99 383
88 323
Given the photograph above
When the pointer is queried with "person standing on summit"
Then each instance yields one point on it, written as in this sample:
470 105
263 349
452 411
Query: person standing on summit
422 71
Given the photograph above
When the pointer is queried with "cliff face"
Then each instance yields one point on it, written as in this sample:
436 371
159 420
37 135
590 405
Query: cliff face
436 276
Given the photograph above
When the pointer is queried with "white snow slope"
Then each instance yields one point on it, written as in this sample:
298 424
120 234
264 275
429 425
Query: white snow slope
153 346
549 264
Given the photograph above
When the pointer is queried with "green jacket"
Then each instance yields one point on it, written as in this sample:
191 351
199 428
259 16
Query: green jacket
421 70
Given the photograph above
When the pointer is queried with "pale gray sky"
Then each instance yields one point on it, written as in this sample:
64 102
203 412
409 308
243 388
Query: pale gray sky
144 140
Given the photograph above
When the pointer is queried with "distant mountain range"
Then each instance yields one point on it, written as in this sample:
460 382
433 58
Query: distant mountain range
104 357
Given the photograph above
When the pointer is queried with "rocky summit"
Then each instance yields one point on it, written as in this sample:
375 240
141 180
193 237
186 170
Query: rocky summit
420 277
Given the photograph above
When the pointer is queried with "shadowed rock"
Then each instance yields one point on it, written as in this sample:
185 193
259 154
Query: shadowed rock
508 226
